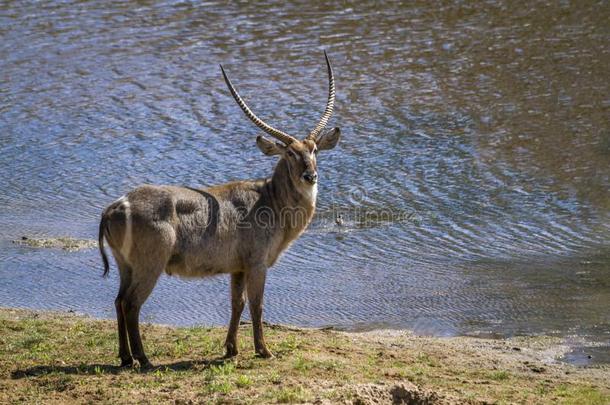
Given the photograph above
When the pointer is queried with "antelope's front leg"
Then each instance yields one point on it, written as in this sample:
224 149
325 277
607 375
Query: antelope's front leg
256 289
238 300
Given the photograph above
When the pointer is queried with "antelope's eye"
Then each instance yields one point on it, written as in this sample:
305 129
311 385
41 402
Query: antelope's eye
290 153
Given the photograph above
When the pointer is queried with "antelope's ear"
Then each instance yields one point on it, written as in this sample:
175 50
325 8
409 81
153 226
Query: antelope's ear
268 147
329 139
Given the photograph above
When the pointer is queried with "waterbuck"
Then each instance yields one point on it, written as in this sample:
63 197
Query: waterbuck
239 228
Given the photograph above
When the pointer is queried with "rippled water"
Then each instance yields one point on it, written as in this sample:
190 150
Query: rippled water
482 129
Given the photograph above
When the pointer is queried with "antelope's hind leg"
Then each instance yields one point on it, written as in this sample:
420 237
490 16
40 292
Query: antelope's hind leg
142 284
124 352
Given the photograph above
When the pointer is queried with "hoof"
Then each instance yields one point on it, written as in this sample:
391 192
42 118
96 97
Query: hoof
126 363
145 365
231 351
265 354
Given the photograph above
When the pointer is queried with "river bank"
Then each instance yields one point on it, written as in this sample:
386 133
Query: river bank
62 357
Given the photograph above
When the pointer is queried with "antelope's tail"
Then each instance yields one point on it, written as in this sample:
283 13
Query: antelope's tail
101 244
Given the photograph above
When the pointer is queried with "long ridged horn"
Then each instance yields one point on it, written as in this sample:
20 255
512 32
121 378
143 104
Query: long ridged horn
329 104
282 136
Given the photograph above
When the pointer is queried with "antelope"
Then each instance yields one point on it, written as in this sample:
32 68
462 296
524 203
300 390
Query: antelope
238 228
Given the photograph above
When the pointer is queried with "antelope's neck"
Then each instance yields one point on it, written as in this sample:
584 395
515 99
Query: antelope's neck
286 195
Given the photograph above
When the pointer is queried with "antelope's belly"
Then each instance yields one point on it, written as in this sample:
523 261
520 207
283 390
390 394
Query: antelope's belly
198 267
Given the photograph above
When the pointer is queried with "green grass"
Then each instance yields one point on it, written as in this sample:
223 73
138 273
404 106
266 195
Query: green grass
499 375
576 395
290 395
63 359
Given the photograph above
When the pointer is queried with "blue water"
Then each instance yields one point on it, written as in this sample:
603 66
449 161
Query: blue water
481 129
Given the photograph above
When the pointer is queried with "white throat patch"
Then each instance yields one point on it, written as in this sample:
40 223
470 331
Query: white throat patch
310 193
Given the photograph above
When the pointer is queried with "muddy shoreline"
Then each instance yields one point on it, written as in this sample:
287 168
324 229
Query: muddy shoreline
62 242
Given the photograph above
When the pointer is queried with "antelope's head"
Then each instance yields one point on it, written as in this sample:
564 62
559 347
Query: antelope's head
300 156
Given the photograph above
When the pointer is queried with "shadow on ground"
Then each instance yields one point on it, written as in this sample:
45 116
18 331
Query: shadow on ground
94 369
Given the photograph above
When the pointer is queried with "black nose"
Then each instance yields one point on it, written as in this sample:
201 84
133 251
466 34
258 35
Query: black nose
310 177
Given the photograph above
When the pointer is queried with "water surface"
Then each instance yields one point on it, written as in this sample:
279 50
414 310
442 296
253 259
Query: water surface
482 128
